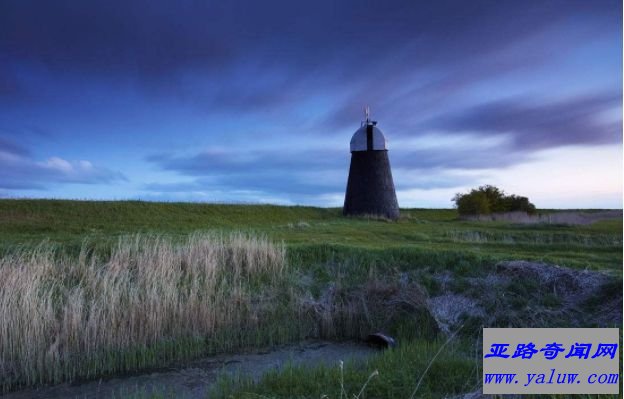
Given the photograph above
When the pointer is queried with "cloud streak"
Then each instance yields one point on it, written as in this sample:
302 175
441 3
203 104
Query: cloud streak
542 125
18 170
345 44
517 127
306 172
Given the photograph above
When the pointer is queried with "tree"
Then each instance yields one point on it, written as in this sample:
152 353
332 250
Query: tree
474 203
495 197
488 199
518 203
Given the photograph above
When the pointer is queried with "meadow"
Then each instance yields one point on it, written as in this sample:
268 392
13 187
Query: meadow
311 234
91 289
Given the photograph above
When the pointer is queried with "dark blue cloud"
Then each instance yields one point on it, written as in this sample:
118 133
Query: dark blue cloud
9 86
247 160
202 78
526 126
341 43
538 125
9 147
307 172
278 171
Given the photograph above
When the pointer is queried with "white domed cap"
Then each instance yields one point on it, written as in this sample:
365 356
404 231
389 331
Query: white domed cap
359 141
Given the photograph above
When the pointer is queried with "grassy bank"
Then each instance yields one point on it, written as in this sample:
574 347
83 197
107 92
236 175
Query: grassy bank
309 232
124 286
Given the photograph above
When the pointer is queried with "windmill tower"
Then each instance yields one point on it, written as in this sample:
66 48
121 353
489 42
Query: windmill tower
370 189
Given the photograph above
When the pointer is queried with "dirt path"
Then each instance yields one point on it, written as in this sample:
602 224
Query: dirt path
194 380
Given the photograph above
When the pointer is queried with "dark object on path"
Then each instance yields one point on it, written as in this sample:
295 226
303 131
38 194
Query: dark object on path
380 340
370 188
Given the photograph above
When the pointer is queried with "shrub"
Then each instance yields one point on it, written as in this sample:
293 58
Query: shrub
488 199
518 203
474 203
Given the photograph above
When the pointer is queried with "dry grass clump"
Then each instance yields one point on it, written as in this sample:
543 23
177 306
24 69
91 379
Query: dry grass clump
377 305
151 301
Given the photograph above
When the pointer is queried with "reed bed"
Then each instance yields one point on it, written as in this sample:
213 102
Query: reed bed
150 302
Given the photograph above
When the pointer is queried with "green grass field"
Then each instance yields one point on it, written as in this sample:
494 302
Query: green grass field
358 257
311 233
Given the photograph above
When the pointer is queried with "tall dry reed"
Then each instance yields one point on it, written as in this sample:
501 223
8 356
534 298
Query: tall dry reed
151 301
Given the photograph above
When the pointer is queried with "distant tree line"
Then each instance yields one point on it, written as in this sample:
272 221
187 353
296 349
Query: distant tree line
489 199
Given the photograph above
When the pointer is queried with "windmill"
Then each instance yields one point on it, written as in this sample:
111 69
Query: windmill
370 188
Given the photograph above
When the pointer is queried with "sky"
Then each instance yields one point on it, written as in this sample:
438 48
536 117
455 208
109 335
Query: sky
256 101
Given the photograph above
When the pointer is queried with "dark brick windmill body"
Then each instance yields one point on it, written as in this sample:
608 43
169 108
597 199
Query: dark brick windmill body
370 188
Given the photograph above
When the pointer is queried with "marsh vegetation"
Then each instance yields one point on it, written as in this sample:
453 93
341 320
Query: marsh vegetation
90 290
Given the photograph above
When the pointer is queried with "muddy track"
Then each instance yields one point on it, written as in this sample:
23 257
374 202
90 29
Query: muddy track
195 379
